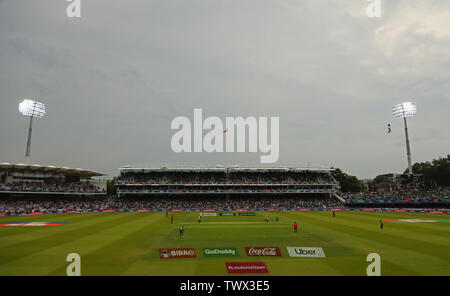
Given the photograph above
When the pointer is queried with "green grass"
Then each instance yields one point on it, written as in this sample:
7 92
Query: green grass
127 243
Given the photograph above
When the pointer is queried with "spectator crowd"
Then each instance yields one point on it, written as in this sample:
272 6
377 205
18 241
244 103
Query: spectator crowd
222 203
24 205
186 177
51 204
413 195
15 205
79 187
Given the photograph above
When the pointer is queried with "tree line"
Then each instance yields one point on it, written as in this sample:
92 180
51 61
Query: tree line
435 174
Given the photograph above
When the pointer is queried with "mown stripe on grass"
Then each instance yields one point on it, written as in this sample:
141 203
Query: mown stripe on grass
406 231
110 252
129 246
59 237
399 237
164 235
383 243
11 232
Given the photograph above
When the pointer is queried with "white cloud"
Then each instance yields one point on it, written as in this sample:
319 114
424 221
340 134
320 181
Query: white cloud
416 32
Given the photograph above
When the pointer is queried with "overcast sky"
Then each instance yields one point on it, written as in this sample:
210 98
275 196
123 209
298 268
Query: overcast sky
114 79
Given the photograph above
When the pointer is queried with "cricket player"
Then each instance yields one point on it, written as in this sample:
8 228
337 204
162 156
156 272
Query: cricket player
171 219
181 231
381 224
295 226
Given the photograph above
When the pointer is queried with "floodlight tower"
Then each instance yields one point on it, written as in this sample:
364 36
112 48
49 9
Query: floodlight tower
404 110
32 109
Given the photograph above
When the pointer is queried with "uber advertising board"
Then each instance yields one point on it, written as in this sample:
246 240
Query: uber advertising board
247 214
306 252
220 252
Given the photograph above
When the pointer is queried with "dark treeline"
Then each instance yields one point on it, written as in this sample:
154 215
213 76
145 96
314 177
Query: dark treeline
435 173
348 183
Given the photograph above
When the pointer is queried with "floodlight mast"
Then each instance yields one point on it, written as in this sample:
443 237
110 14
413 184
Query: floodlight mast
30 129
404 110
32 109
408 149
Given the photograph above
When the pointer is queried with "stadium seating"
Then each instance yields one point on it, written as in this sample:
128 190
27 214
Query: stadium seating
243 181
413 195
54 187
26 205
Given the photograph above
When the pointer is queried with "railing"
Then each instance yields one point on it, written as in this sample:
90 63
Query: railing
222 183
50 192
175 191
382 201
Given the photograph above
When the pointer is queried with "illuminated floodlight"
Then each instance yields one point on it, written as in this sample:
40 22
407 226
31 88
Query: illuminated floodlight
32 108
406 109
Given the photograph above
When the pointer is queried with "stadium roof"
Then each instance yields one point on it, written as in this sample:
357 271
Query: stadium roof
220 168
20 167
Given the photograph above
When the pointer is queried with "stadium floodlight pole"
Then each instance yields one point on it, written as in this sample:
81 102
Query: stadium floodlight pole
404 110
32 109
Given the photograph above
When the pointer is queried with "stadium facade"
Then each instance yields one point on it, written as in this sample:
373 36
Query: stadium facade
25 180
219 181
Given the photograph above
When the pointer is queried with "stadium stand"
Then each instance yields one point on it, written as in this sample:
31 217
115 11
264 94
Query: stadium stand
21 180
184 188
197 180
405 190
19 205
13 206
398 196
35 189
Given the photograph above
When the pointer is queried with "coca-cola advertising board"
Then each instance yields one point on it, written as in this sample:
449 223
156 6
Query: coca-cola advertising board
263 251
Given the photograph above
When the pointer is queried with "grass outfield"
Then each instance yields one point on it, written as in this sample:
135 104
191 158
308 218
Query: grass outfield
127 243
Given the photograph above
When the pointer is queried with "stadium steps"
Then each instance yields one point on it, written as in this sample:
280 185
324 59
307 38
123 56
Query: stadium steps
338 197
